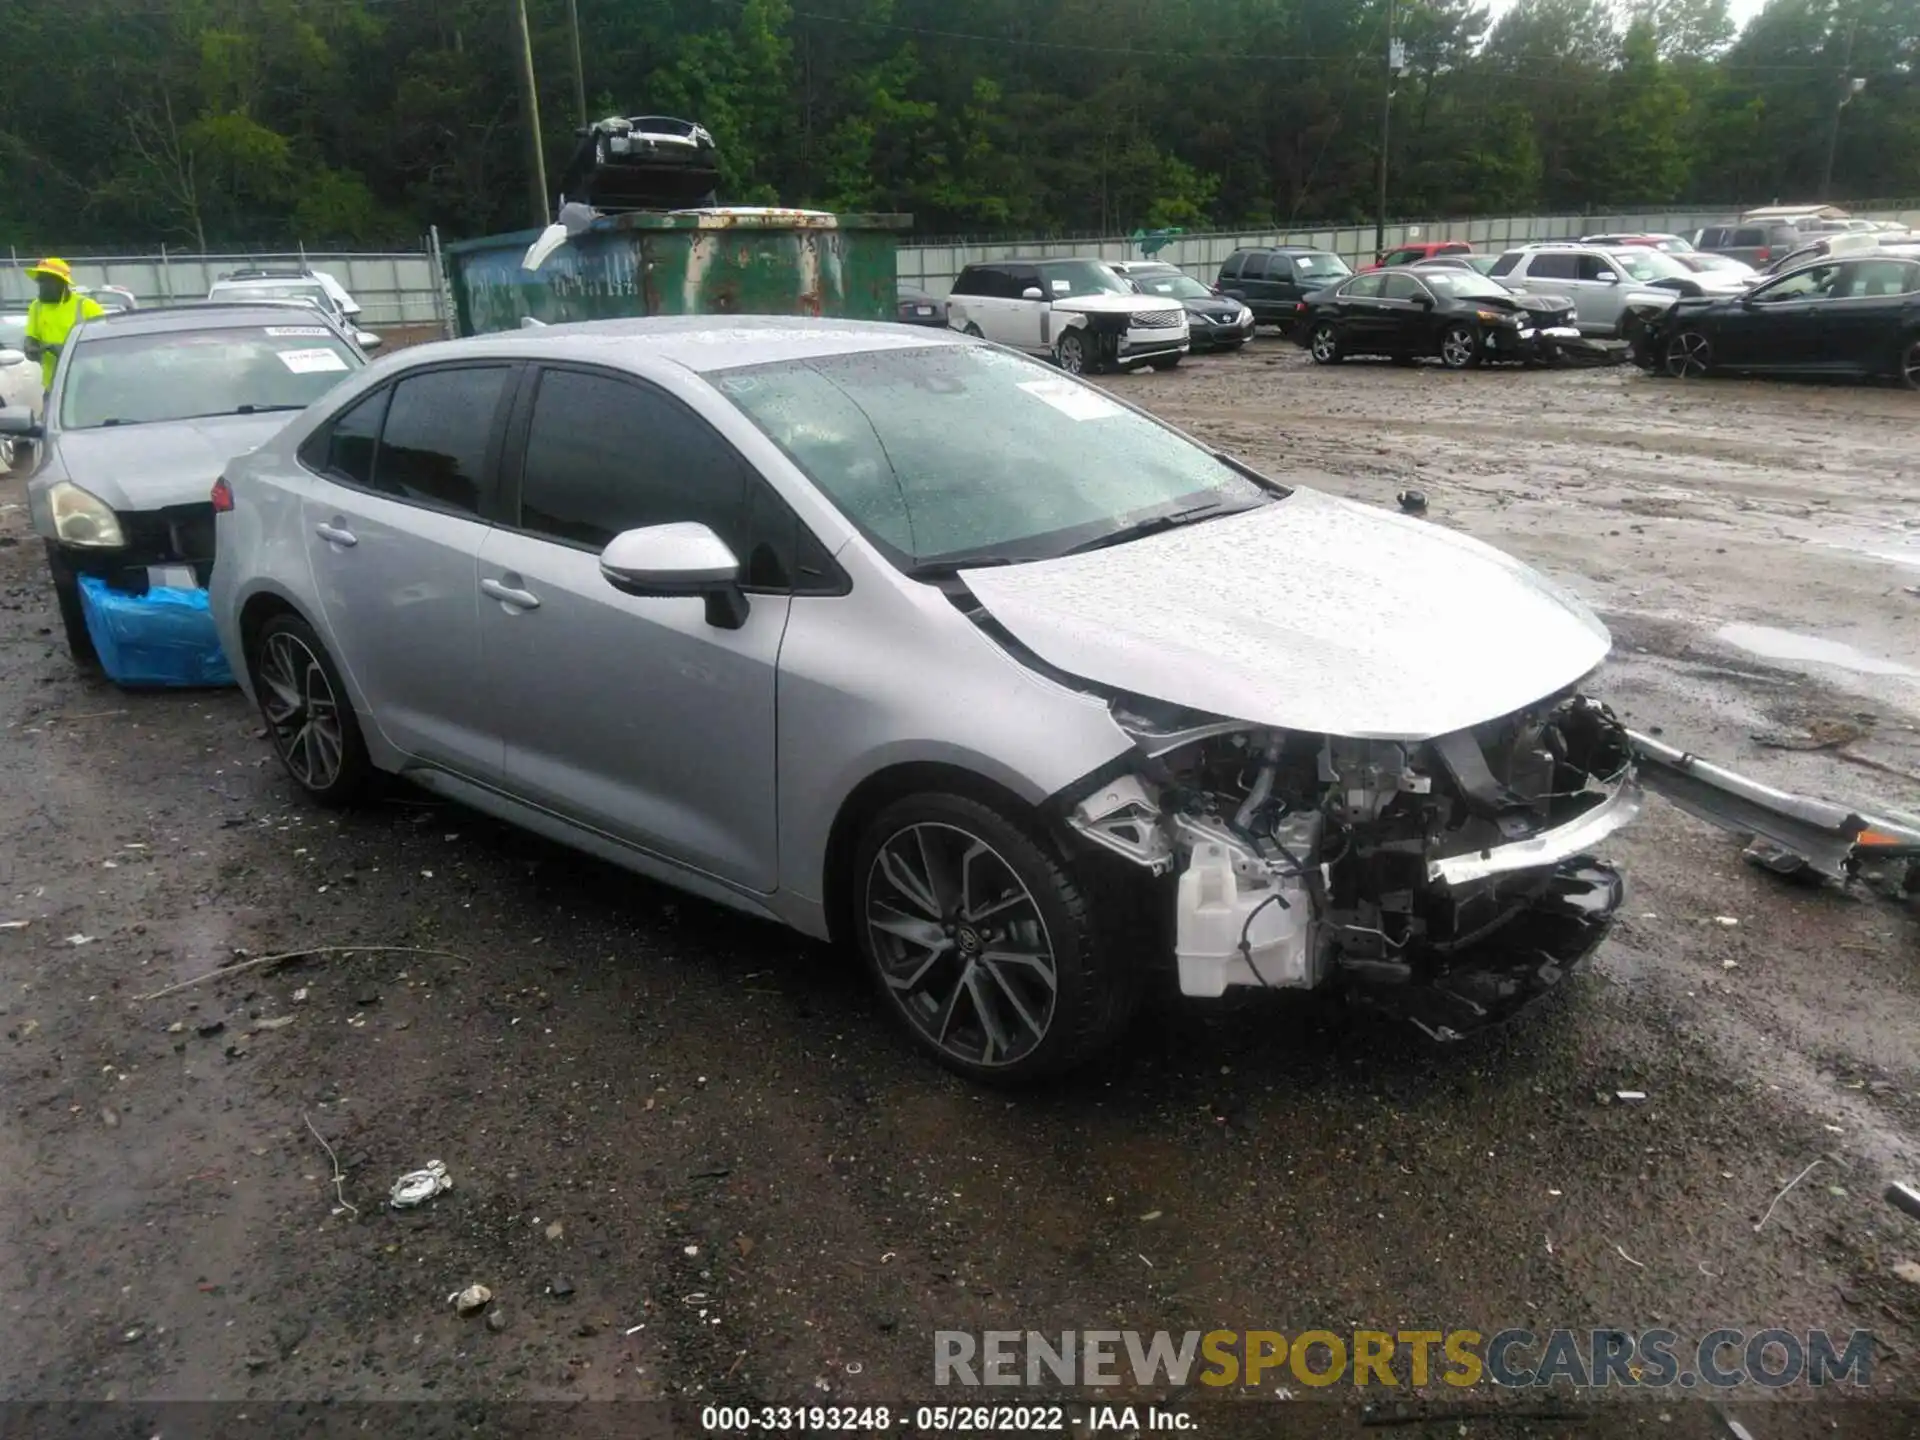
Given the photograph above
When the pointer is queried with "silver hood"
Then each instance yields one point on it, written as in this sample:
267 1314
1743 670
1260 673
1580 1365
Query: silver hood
1313 614
167 462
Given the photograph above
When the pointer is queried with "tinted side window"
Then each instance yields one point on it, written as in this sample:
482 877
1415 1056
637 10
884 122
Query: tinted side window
1020 279
604 455
971 281
1254 266
344 449
1505 265
1877 278
1366 287
434 446
1401 287
1592 267
1749 237
1554 267
1231 270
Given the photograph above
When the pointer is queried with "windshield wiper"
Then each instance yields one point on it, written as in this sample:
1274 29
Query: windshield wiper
1154 524
944 569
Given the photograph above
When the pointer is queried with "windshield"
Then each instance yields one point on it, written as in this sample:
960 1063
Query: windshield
137 379
1320 266
962 451
1643 264
1170 283
1465 284
315 295
1066 278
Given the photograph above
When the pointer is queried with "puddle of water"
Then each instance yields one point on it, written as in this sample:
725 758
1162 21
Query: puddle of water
1772 644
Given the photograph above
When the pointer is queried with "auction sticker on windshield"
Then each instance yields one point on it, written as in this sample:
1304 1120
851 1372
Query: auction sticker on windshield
297 332
1076 402
310 362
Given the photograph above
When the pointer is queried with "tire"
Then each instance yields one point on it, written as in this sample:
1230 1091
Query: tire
1009 1022
1688 356
1070 354
293 678
1460 348
73 614
1324 344
1910 362
1165 362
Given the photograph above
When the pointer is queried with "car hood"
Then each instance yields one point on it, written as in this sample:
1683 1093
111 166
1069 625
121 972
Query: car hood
1114 304
167 462
1210 307
1313 614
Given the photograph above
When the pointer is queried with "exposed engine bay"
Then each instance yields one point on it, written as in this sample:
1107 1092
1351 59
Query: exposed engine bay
1424 868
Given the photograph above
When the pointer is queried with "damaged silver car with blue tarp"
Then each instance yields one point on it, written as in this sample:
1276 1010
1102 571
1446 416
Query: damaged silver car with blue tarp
146 409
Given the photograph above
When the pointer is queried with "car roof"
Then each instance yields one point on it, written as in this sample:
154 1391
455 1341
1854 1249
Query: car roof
1283 250
203 315
701 343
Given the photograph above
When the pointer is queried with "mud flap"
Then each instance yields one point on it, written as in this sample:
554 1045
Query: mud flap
1826 839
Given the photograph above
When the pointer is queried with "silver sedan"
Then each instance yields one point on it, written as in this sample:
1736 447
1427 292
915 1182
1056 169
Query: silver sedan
905 640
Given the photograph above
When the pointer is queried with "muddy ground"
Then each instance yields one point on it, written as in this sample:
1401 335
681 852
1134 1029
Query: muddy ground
691 1159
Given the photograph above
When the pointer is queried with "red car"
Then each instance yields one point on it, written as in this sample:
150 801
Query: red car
1415 253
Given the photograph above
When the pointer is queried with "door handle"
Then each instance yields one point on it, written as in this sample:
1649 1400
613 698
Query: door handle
507 595
334 534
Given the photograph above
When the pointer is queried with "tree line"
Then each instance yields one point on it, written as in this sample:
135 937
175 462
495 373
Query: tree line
213 124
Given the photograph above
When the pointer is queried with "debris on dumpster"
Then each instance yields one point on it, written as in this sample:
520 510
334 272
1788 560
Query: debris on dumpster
417 1187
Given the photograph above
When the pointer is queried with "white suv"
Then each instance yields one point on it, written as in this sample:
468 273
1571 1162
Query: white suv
302 287
1080 312
1602 283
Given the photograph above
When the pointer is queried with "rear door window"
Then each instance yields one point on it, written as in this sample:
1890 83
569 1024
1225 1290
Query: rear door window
439 424
1748 239
344 450
1554 267
1876 278
1363 287
1231 270
1254 267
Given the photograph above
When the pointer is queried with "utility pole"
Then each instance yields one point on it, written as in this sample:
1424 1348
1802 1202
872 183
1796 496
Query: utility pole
530 104
1850 86
579 72
1396 62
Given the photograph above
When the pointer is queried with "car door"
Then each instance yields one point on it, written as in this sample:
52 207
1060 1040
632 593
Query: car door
1028 322
1227 282
1358 314
977 301
1257 285
1773 327
393 530
1406 316
636 717
1861 327
1603 292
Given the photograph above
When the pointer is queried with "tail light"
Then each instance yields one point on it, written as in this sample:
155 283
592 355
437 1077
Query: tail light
222 496
1299 307
1766 253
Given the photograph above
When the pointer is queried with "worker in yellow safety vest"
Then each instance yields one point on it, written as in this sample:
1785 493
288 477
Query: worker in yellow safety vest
51 318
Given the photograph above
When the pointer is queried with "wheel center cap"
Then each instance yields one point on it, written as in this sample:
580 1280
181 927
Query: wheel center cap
969 940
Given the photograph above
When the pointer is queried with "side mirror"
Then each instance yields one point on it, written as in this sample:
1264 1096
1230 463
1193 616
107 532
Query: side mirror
1032 292
1607 277
680 559
367 340
12 357
18 420
1424 302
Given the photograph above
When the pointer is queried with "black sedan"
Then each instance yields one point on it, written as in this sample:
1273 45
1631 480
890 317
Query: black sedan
1848 317
1456 315
1214 321
917 307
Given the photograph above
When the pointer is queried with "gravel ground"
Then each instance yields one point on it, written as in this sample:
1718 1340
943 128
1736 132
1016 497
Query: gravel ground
691 1159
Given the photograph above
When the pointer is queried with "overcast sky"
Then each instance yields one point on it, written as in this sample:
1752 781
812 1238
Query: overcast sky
1741 10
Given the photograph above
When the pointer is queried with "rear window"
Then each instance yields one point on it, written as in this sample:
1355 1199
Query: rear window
1749 237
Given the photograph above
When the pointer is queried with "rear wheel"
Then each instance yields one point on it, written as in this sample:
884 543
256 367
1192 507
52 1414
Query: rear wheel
73 614
1910 363
1689 355
1324 344
983 941
309 716
1460 347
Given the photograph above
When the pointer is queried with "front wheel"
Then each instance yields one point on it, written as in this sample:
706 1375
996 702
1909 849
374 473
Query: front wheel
1070 353
983 941
1910 363
1689 355
1324 344
308 713
73 614
1460 347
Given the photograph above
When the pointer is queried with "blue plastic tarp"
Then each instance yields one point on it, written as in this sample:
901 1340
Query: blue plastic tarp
164 637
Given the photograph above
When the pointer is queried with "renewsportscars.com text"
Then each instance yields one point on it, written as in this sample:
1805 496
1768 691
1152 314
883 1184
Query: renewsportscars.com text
1648 1359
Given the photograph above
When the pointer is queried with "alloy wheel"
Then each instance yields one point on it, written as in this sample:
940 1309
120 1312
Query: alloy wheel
961 944
301 710
1458 348
1326 345
1910 365
1072 355
1689 355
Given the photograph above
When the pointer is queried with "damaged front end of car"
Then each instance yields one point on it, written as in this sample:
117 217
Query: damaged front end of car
1451 880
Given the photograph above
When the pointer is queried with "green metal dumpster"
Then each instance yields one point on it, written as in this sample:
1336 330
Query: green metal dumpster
683 262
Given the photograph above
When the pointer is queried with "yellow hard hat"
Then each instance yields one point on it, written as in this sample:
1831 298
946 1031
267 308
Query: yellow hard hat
53 268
